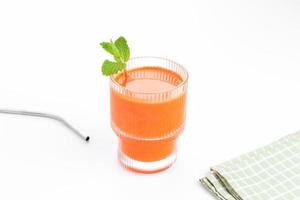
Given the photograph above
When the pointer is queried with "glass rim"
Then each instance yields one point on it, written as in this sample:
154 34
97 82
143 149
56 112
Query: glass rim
184 79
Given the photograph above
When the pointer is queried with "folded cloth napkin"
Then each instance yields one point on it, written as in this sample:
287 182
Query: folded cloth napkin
269 173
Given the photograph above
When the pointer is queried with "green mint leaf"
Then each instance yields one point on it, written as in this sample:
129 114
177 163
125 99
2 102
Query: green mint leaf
109 68
111 48
121 53
123 48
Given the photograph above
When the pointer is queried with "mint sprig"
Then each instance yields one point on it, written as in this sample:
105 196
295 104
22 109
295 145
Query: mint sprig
121 53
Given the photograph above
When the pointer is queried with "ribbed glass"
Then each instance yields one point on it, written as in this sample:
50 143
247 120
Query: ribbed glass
148 123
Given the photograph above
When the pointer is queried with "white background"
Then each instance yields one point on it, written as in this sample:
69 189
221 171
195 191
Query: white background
244 90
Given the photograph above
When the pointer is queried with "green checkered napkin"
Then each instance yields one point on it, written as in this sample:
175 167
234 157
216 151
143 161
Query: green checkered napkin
269 173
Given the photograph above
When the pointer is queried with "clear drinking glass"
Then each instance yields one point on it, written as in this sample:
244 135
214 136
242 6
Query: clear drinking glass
148 112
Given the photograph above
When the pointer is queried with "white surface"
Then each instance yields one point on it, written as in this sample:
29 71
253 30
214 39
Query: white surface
243 58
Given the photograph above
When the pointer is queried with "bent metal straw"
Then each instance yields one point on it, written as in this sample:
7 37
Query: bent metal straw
48 116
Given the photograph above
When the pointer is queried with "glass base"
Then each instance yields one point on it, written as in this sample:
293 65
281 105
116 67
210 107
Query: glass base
146 167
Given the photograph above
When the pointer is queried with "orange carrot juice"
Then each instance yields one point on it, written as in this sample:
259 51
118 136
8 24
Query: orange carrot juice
148 114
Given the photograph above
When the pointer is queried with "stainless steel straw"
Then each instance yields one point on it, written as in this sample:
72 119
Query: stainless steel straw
48 116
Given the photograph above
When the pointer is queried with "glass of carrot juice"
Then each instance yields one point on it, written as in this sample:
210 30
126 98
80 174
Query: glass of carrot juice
148 112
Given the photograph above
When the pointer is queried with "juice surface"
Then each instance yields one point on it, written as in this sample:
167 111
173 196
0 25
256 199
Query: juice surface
149 85
148 129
